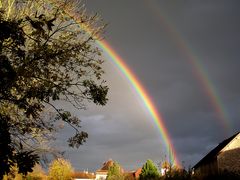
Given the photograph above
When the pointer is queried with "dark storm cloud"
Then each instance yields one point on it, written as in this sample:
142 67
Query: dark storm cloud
123 130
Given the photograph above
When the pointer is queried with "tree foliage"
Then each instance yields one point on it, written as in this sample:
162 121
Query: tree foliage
37 174
13 174
149 171
45 56
115 172
60 169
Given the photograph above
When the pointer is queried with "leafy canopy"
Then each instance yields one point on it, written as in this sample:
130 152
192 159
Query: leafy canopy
115 172
60 169
46 58
149 171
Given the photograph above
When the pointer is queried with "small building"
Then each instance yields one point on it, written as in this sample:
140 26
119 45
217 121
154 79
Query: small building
165 167
137 173
101 174
132 175
226 156
85 175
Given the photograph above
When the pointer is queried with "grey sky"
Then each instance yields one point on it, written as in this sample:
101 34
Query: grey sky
123 130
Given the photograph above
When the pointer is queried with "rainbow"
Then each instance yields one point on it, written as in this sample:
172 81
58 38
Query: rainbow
141 91
136 85
197 67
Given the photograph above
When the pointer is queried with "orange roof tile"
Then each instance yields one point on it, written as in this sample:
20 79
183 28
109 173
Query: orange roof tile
86 175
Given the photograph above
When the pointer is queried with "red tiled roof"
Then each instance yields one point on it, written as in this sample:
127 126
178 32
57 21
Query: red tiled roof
107 165
129 175
137 172
102 172
83 175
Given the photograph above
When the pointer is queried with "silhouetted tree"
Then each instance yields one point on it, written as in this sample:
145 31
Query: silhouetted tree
45 56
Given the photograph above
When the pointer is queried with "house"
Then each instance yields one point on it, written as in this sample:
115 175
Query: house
85 175
137 173
131 175
101 174
226 156
166 166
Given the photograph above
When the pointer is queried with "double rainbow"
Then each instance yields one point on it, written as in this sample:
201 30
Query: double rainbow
137 86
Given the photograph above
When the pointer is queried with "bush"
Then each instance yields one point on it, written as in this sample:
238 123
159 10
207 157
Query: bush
149 171
60 169
37 174
115 172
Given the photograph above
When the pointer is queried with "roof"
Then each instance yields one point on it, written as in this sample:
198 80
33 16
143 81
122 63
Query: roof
101 172
85 175
129 175
213 154
137 172
106 165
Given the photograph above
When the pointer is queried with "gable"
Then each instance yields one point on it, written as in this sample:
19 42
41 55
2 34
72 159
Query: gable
234 144
212 155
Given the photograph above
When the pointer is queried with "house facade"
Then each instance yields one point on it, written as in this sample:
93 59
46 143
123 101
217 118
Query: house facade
85 175
101 174
226 156
229 157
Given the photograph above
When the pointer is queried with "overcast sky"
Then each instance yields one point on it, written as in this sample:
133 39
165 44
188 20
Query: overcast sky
160 41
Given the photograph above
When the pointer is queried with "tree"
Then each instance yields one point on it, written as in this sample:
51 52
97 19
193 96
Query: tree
37 174
13 174
60 169
115 172
149 171
45 57
165 167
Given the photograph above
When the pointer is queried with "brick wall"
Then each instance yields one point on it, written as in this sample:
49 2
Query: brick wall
210 167
229 157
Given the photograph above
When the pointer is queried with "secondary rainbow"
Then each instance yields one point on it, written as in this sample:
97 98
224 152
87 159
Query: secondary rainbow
137 86
196 65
